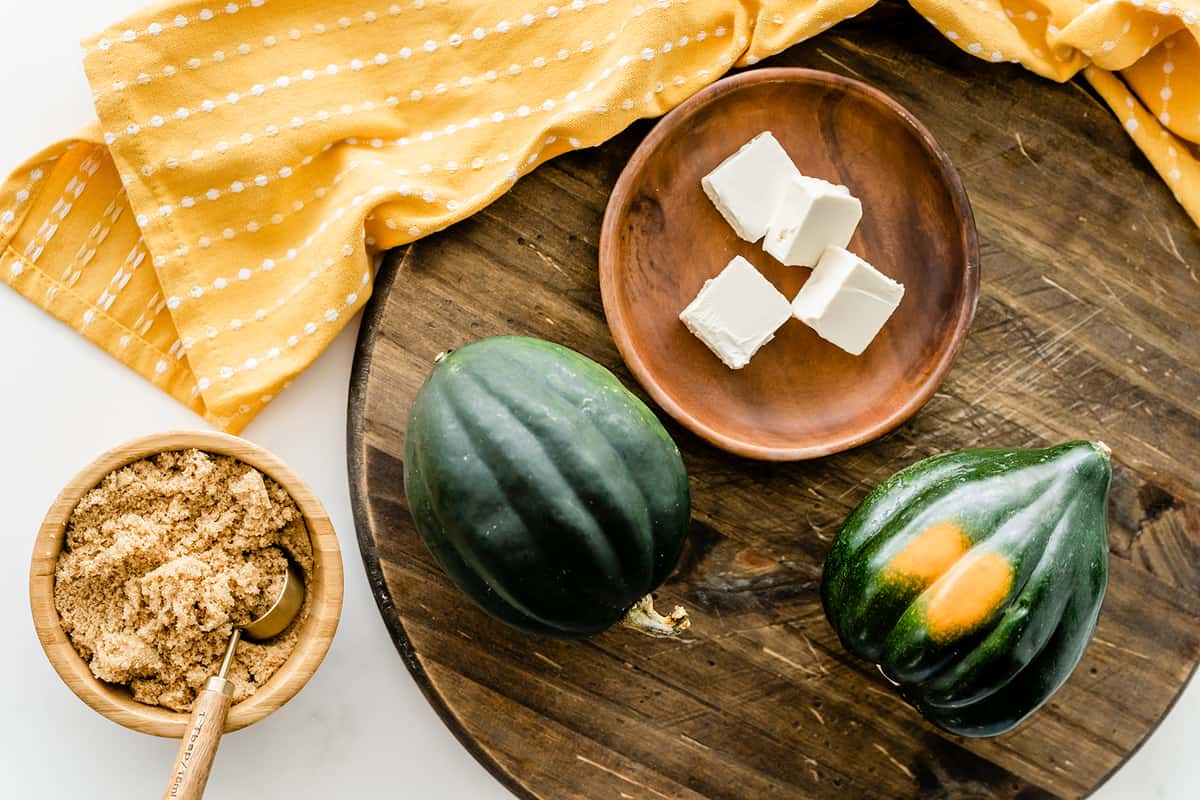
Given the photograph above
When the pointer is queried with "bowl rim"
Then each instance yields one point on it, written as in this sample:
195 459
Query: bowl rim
610 247
316 633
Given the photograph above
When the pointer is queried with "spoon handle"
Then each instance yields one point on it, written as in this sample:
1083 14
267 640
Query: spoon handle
199 746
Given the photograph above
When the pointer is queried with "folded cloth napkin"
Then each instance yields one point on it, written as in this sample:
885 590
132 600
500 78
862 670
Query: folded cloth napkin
214 229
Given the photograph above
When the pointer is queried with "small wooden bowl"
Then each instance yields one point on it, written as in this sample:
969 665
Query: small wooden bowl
800 397
115 702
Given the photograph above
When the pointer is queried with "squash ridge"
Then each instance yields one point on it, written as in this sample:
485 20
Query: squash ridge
459 570
658 567
477 562
601 529
606 554
648 521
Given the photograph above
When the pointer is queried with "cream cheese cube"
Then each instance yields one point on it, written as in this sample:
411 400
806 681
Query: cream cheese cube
747 186
846 300
736 313
811 215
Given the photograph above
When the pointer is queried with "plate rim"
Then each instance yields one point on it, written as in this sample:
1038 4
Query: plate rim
610 246
357 473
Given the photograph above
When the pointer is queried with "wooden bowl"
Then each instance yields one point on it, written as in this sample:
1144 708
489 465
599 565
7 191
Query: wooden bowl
115 702
800 397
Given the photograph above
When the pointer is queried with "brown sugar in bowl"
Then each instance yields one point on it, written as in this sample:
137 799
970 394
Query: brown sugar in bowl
316 632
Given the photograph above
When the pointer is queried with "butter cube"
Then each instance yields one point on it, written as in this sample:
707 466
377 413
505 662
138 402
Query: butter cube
811 215
736 313
846 300
747 186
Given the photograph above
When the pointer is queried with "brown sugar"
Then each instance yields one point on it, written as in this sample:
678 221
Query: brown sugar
164 559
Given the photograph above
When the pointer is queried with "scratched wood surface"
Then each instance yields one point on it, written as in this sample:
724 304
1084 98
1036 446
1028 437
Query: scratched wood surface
1086 328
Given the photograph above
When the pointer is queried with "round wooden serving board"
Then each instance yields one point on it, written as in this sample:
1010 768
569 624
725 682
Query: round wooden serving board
1085 329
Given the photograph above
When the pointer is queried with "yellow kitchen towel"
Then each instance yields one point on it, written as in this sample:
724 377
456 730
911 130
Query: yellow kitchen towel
214 229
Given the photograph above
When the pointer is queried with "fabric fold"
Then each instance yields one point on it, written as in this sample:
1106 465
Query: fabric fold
216 228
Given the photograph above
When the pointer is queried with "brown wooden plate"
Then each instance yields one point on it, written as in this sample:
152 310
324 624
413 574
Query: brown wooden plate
800 397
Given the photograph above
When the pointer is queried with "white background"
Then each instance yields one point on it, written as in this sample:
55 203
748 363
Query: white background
361 725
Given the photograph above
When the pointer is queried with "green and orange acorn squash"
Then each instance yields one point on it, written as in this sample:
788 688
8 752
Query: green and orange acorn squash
549 493
974 579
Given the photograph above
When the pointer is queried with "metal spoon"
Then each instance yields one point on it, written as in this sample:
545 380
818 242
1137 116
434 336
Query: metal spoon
199 746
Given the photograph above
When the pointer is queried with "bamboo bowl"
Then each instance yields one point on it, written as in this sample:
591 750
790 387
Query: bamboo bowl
115 702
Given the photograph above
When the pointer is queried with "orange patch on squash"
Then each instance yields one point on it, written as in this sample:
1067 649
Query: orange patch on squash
930 554
967 597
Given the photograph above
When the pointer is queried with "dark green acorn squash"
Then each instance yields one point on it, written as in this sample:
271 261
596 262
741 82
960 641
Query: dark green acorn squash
550 494
974 579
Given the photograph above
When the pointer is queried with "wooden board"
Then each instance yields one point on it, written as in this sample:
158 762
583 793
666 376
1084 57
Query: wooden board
1086 328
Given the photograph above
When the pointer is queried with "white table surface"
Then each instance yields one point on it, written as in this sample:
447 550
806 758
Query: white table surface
360 725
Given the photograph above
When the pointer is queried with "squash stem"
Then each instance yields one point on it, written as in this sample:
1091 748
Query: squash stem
644 619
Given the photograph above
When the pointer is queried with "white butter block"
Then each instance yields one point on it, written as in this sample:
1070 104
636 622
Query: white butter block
736 313
811 215
846 300
748 185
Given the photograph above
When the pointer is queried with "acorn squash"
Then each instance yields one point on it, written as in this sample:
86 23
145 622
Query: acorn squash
974 579
550 494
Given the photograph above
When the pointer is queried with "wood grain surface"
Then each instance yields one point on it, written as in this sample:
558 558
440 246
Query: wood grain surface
1086 328
662 238
325 586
